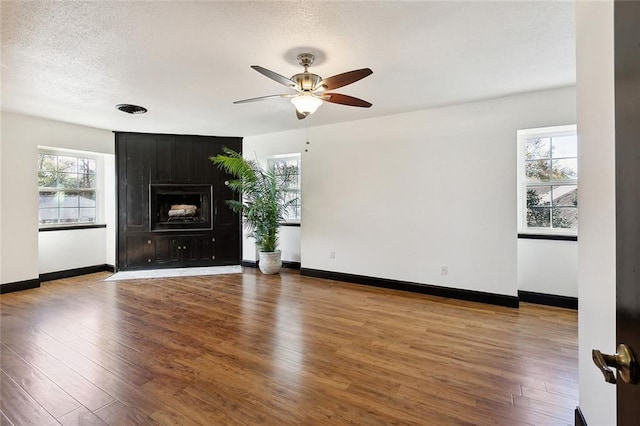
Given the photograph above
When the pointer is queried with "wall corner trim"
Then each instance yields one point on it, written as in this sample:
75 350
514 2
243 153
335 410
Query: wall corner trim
433 290
548 299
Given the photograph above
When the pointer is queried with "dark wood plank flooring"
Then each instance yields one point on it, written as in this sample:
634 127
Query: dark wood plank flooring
250 349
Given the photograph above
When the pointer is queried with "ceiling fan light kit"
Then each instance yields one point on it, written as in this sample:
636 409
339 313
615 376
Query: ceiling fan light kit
306 103
311 87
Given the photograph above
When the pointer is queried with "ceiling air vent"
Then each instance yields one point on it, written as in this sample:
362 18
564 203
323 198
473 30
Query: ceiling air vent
131 109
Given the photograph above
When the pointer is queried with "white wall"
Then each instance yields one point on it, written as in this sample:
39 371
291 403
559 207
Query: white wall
290 243
110 210
262 147
21 136
596 244
400 196
64 250
1 203
549 267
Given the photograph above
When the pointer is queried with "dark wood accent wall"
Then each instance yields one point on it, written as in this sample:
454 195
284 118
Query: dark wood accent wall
143 160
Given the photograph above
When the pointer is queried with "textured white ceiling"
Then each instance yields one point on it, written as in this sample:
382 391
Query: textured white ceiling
188 61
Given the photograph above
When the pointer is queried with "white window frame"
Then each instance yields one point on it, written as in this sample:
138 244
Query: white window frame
291 157
97 189
522 136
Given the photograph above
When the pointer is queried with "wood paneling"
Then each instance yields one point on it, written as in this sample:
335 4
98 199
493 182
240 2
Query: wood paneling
284 349
156 159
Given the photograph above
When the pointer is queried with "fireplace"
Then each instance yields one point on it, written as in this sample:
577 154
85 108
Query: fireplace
180 207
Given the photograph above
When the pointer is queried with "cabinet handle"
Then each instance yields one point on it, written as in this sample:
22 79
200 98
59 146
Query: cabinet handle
213 257
148 241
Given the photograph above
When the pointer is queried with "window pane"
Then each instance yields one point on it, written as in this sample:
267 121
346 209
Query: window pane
565 169
48 200
539 217
87 199
68 215
67 164
538 170
86 181
565 146
47 179
565 195
538 196
87 215
68 180
48 215
70 205
48 162
536 148
565 217
68 199
86 166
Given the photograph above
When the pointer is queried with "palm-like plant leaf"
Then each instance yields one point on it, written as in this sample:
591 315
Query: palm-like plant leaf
264 201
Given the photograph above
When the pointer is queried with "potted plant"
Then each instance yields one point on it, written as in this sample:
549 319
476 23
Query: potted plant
263 201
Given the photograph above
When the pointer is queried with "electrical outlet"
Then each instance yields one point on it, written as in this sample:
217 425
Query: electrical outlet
444 270
332 254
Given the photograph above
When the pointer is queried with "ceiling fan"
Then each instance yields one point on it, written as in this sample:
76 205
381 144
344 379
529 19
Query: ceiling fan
311 88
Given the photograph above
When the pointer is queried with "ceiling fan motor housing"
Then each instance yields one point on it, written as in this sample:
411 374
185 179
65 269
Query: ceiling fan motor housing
306 59
306 81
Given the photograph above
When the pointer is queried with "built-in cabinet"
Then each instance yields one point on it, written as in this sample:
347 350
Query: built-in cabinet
157 173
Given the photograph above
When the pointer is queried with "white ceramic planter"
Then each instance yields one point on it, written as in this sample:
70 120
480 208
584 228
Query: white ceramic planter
270 262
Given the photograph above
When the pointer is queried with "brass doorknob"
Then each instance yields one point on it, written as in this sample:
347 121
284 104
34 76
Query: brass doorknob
623 361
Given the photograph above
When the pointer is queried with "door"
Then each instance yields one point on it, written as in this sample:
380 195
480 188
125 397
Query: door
627 146
627 165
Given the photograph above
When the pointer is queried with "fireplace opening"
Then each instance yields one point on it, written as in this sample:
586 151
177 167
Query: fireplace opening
181 207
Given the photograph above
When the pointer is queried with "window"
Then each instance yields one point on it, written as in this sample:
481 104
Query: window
286 163
548 180
66 187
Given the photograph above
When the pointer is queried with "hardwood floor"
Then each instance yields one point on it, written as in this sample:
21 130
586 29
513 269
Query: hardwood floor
287 349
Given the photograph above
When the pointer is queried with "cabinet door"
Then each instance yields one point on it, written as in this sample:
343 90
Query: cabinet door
166 251
174 160
135 156
228 248
139 253
163 169
199 250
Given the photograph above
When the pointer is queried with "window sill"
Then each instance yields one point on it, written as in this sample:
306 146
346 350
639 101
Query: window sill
552 237
72 227
290 224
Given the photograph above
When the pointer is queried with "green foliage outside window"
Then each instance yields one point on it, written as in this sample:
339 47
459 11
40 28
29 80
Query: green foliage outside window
551 173
66 186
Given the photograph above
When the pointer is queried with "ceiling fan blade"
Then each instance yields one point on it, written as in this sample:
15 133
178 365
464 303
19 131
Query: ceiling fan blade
300 115
261 98
338 98
274 76
343 79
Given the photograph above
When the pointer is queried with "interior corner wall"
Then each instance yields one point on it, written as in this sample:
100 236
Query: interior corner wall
260 148
548 267
597 241
400 196
21 136
1 203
